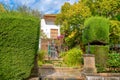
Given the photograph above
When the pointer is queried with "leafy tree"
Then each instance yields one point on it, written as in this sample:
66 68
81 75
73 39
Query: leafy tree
61 17
23 9
96 30
43 35
2 9
27 10
107 8
71 19
118 17
36 13
92 4
115 32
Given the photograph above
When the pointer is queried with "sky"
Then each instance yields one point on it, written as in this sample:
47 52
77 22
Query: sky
44 6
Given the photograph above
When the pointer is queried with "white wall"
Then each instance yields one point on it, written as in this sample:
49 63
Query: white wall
47 26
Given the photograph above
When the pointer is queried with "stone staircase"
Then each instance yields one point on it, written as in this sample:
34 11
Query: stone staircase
55 62
51 72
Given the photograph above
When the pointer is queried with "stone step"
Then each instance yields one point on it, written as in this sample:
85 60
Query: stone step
56 62
63 78
49 72
34 78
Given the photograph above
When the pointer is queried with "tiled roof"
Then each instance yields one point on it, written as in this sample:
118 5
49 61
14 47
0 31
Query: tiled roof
50 17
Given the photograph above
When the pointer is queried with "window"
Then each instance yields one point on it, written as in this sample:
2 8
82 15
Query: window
53 33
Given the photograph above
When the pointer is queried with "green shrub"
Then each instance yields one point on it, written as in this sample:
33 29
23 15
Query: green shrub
101 56
100 68
41 56
73 57
114 32
118 16
114 61
96 29
18 45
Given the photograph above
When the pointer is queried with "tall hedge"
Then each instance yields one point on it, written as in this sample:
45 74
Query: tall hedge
18 45
96 29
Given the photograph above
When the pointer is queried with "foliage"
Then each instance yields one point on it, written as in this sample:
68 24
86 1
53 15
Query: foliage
100 52
100 68
28 11
113 60
2 9
106 8
43 35
101 56
73 57
114 32
71 19
41 56
109 8
61 17
96 29
118 17
18 45
62 54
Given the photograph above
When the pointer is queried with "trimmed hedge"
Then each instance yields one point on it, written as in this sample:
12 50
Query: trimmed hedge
96 29
18 45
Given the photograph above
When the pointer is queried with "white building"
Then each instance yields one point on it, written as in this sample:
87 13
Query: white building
51 30
48 26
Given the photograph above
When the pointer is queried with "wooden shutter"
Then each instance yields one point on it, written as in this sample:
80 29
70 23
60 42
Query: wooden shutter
53 33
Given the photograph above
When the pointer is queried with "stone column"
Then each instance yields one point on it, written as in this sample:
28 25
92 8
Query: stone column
89 63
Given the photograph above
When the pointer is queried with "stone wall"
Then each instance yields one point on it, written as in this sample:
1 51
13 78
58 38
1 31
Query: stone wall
103 76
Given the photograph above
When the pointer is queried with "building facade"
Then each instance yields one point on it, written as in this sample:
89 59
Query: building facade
48 26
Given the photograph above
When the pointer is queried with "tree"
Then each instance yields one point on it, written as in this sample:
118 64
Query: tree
35 13
96 30
71 19
27 10
2 9
96 35
107 8
23 9
61 17
43 35
115 32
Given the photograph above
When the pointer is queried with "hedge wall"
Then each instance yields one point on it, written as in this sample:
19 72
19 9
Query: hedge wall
18 45
96 29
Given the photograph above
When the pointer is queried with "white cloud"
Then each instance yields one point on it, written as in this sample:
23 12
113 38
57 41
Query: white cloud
46 6
51 6
24 2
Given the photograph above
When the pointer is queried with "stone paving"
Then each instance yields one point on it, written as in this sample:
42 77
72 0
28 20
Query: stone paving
62 73
63 76
34 78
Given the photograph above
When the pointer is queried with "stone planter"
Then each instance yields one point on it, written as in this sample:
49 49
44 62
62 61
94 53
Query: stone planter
89 63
